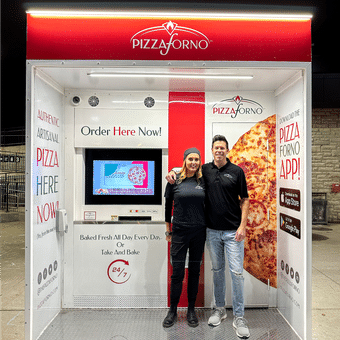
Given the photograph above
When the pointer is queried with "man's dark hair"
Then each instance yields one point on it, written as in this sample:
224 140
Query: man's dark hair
219 138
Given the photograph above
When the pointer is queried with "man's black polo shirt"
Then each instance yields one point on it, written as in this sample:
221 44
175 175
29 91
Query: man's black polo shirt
224 188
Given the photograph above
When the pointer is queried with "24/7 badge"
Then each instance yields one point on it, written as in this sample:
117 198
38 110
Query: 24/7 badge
119 271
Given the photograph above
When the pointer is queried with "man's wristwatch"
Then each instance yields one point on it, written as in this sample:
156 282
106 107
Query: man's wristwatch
168 233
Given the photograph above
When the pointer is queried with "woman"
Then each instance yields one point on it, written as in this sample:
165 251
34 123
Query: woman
187 196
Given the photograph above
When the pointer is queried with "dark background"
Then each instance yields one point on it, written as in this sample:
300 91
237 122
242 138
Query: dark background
325 51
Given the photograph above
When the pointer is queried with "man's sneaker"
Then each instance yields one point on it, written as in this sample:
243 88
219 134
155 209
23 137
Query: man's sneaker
217 316
241 328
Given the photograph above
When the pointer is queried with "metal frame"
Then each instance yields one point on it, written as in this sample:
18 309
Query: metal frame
33 65
28 203
308 201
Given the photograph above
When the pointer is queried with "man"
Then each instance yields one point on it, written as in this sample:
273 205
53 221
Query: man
227 206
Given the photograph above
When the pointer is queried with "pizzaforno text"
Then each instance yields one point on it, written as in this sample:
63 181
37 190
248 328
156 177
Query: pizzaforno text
121 131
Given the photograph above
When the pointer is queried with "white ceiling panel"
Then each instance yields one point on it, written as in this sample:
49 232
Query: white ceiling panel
169 79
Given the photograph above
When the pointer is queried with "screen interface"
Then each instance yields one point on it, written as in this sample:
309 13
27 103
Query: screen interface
115 177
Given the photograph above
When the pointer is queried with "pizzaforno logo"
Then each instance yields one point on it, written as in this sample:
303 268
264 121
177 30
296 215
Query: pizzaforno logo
237 105
169 36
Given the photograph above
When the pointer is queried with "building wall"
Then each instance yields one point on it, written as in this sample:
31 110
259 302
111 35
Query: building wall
326 157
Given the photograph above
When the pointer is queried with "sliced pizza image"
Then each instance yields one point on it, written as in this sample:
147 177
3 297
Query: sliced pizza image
137 175
255 153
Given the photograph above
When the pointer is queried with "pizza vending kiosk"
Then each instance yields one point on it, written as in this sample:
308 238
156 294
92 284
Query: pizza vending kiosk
114 97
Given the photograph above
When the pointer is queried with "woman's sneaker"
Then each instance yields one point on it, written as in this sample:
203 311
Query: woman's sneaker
217 316
241 328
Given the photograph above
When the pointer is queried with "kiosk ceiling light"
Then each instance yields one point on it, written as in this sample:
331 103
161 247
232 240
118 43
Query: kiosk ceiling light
173 76
160 14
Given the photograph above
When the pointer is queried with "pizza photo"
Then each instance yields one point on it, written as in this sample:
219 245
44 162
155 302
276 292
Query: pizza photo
255 153
137 175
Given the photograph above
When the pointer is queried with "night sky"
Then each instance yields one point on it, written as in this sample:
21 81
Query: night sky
325 37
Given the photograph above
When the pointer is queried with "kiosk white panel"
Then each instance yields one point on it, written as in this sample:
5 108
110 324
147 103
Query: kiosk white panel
115 262
126 128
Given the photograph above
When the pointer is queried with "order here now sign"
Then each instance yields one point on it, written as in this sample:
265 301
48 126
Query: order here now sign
129 129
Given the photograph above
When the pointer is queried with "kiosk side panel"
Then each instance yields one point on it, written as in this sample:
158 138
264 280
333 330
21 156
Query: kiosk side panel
45 191
292 172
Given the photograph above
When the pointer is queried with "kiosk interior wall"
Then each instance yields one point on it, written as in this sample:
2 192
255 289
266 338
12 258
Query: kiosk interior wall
114 111
112 95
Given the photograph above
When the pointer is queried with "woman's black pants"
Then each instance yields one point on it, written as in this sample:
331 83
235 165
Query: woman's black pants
182 240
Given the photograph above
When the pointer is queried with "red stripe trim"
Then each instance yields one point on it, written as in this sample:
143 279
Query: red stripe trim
186 130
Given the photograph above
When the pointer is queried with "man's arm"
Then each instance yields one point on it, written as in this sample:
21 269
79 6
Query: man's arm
171 177
241 231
